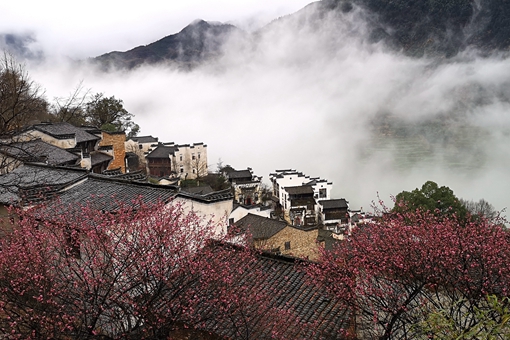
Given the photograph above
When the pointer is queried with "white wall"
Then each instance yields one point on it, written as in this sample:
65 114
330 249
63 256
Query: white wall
241 212
216 213
191 159
61 143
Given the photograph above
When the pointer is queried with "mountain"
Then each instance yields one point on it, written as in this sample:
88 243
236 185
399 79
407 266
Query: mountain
434 28
196 43
19 45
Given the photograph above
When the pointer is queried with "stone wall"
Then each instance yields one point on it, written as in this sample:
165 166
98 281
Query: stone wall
117 140
302 244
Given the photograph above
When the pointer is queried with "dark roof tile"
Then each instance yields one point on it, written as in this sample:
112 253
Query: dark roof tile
36 176
162 151
107 194
334 204
260 227
99 157
145 139
38 151
64 130
284 282
239 174
299 190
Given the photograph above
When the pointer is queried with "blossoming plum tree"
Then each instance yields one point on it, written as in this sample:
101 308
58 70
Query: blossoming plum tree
134 273
395 271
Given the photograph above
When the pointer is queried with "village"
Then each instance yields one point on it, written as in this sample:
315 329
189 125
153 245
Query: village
111 233
59 167
78 164
117 237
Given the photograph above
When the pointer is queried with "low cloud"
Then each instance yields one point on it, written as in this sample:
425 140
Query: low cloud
316 96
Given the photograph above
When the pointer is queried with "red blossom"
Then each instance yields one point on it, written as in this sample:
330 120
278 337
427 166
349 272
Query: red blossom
394 271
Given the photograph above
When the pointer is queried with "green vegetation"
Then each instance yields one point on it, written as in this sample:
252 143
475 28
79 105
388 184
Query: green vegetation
491 320
109 114
441 201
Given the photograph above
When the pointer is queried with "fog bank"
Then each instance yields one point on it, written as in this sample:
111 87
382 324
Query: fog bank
319 98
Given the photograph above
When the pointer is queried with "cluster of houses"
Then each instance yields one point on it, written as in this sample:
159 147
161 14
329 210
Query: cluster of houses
79 165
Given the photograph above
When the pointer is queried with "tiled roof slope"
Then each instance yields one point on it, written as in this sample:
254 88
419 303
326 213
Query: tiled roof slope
107 194
260 227
215 196
66 129
309 312
37 150
145 139
38 177
130 176
99 157
162 151
239 174
299 190
333 204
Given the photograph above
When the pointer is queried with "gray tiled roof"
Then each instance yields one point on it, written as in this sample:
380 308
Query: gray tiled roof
299 190
130 176
162 151
239 174
31 176
314 181
260 227
215 196
309 312
107 194
334 204
37 150
65 129
112 172
99 157
145 139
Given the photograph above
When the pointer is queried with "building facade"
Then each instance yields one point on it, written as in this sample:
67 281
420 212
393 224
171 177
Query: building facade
187 161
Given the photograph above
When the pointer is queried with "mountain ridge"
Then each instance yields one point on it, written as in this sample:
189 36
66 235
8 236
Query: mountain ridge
195 43
436 28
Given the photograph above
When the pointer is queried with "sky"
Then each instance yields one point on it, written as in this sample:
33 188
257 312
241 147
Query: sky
90 28
308 97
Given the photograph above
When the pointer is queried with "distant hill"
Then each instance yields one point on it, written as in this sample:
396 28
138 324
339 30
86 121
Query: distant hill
435 28
197 42
19 46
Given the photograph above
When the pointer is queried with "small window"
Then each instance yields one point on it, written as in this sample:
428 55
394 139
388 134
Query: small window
193 156
199 155
287 245
180 158
323 193
140 146
182 170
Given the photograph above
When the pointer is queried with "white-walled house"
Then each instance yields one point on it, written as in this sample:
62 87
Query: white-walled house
211 208
186 161
75 187
292 178
143 143
82 141
297 195
246 187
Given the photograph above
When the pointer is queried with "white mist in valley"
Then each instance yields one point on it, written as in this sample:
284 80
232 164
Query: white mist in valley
314 95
